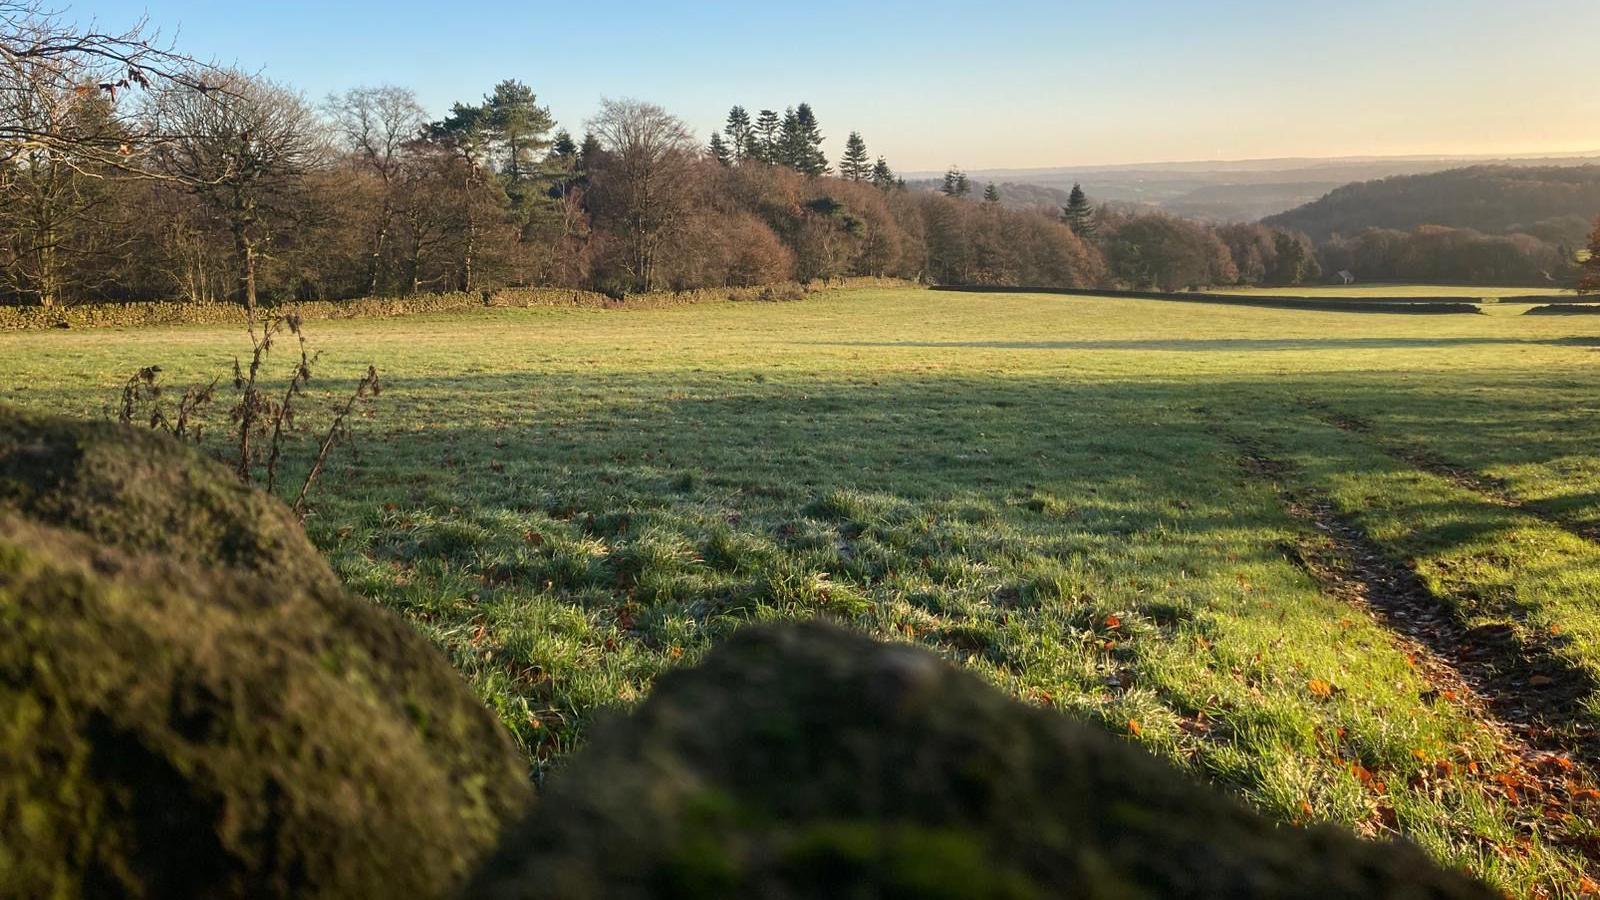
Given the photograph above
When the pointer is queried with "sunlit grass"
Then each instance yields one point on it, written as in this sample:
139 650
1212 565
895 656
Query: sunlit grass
1046 490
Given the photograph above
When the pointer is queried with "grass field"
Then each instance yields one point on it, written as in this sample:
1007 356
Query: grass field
1173 519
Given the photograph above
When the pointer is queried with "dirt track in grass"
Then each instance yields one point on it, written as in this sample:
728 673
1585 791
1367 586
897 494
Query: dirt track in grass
1526 695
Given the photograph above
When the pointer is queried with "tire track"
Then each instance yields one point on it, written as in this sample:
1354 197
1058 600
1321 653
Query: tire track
1526 694
1489 488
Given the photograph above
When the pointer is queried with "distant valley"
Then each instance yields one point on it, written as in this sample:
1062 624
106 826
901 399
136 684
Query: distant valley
1223 191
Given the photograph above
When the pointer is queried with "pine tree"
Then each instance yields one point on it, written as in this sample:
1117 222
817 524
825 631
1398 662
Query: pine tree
1591 266
561 163
589 152
789 147
991 194
518 126
1079 214
808 156
719 149
956 183
741 134
562 146
854 165
882 175
764 145
799 144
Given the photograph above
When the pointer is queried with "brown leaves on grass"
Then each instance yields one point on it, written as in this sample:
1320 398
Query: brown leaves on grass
1367 779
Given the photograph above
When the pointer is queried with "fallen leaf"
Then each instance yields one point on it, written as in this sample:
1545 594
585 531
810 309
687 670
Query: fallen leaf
1558 762
1386 814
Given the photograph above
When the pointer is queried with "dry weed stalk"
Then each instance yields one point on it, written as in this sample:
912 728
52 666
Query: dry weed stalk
255 415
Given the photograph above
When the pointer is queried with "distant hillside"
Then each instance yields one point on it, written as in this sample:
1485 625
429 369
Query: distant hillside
1231 191
1554 203
1245 202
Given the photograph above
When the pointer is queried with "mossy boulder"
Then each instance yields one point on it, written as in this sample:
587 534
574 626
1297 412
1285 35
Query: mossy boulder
810 762
141 491
195 708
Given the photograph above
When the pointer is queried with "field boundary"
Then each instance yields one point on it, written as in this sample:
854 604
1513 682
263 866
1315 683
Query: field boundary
177 312
1574 307
1401 305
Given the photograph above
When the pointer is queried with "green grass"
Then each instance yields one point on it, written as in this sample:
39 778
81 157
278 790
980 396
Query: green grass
1047 490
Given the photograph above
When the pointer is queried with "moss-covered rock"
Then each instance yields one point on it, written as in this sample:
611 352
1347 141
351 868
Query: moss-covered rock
810 762
190 705
142 492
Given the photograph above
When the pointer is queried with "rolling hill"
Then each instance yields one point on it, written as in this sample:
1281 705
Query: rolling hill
1555 203
1228 190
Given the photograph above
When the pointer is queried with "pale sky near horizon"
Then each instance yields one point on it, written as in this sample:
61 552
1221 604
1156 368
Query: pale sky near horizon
1001 84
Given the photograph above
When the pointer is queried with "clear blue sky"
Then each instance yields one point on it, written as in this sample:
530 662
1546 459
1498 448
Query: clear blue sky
1005 83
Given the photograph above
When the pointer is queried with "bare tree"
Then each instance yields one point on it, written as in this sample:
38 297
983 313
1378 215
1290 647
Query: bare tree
642 186
59 202
46 62
66 132
430 214
244 150
375 126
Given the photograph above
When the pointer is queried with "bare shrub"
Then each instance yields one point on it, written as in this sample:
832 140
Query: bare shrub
263 422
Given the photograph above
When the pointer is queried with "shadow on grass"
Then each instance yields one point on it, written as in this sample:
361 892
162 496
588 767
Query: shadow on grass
917 437
1233 344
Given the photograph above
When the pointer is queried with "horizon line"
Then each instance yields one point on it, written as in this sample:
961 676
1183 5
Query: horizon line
1353 157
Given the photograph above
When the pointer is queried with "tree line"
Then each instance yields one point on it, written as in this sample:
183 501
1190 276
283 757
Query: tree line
142 174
